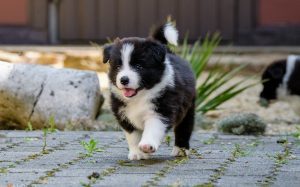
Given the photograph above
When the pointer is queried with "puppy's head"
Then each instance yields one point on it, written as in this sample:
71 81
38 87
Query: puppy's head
272 79
135 64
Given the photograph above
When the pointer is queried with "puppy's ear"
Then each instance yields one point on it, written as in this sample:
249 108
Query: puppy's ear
107 52
156 50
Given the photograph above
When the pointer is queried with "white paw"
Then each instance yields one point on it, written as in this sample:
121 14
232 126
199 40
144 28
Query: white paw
137 155
148 146
179 151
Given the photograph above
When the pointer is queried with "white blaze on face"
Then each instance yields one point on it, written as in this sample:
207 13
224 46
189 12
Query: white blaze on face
127 71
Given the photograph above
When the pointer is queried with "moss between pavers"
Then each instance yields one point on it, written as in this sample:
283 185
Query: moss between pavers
81 157
280 159
165 170
238 151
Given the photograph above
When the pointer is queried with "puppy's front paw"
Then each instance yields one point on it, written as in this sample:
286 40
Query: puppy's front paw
148 147
177 151
137 155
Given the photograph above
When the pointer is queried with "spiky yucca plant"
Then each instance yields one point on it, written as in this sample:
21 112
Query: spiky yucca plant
211 93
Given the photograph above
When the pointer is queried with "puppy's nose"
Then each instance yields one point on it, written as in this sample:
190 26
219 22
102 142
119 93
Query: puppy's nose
124 80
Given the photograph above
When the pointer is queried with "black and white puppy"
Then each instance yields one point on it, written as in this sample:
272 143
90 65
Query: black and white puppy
282 82
152 90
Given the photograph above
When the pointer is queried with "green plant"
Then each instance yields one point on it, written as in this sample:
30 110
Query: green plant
297 133
209 141
45 133
242 123
90 147
29 126
52 125
210 93
168 140
238 151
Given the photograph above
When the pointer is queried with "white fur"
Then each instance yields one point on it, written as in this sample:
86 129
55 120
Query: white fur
140 108
133 140
154 132
290 66
179 151
140 111
171 34
283 93
133 76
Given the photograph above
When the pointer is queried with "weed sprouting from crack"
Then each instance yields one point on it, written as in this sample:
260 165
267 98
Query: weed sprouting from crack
29 127
45 133
296 134
238 151
90 147
283 157
51 128
210 140
165 170
81 157
195 152
255 143
168 140
280 158
52 125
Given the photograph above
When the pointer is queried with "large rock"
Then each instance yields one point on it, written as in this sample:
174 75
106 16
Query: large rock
32 93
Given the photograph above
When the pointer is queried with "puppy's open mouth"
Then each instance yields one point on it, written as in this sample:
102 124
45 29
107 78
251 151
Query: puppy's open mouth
129 92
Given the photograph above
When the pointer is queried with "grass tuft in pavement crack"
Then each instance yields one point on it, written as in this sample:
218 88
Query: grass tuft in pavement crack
280 158
29 127
168 140
171 164
90 147
238 151
210 140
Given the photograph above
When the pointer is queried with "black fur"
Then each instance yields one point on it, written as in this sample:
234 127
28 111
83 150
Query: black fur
272 78
159 35
174 104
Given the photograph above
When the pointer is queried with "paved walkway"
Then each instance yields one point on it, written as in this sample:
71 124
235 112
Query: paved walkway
216 160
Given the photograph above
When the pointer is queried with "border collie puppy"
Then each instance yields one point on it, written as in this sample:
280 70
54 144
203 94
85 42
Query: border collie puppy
152 90
282 82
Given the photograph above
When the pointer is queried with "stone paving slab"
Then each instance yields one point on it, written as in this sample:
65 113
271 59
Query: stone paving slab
215 160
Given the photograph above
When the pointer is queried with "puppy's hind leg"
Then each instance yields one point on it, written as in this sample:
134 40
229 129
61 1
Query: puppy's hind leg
183 132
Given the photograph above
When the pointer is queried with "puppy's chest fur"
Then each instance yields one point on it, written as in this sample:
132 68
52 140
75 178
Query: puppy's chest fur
137 111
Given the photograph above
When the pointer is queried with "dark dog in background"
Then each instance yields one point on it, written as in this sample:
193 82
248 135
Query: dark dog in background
152 90
282 82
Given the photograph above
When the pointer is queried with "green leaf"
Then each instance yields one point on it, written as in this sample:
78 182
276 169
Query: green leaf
198 56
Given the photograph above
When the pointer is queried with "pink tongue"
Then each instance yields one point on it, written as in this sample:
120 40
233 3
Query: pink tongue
129 92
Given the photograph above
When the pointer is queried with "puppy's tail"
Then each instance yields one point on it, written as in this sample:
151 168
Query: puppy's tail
166 33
